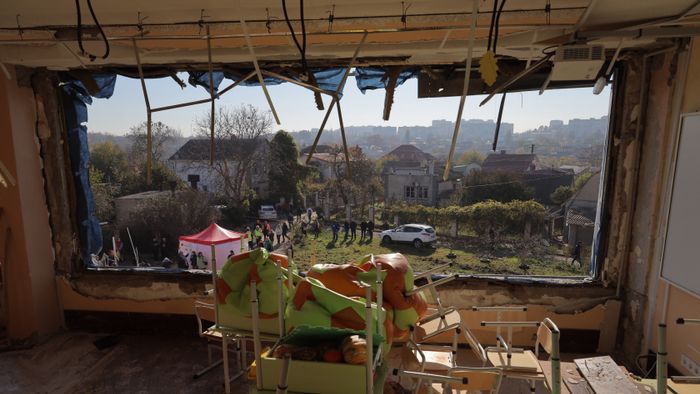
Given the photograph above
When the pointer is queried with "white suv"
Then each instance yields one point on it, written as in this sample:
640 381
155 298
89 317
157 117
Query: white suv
267 212
417 234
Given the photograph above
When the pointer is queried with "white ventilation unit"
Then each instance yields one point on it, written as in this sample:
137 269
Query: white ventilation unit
577 62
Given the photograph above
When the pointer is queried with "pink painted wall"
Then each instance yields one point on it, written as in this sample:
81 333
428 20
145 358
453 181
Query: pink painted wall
32 298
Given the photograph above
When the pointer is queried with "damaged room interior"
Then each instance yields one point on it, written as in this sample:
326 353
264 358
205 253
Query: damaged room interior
331 196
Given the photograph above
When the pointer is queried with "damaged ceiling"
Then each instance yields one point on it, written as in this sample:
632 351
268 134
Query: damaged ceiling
37 33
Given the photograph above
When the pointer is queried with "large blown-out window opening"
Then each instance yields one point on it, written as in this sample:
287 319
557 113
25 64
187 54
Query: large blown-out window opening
528 208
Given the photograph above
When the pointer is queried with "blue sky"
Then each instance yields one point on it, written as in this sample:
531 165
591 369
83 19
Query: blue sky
297 110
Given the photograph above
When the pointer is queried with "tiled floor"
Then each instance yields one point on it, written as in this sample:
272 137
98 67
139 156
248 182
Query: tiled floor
70 363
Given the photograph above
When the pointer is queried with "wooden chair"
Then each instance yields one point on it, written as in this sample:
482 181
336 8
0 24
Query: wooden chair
205 312
455 379
442 320
525 364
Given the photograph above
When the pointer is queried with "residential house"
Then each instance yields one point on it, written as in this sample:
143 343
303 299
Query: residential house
545 181
328 162
542 181
510 163
580 213
191 163
410 175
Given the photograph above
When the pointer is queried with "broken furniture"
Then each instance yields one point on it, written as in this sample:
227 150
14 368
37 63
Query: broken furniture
525 364
204 311
317 315
470 379
250 300
442 321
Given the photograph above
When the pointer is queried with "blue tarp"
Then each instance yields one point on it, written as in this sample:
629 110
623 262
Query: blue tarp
75 101
201 78
370 78
327 79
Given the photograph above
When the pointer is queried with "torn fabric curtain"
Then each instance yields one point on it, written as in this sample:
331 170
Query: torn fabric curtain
370 78
75 99
201 78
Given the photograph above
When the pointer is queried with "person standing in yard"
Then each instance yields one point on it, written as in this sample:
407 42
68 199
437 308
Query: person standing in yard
346 227
316 228
363 230
335 228
249 234
576 254
370 230
258 234
201 261
285 230
353 229
278 232
192 260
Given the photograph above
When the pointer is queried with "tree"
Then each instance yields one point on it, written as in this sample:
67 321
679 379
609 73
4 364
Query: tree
109 160
242 131
183 212
561 194
134 180
499 187
286 174
581 180
470 156
102 194
363 183
161 136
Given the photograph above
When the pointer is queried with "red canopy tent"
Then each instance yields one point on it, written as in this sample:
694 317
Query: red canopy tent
223 240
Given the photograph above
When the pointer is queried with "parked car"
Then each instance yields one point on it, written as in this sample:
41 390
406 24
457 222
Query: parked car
267 212
417 234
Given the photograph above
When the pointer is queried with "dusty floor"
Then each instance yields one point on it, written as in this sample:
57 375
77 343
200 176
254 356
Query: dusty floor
69 362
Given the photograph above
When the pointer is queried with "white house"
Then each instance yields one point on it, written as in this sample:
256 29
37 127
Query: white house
191 164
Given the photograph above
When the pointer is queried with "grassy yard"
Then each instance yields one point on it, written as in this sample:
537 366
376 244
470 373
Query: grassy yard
473 259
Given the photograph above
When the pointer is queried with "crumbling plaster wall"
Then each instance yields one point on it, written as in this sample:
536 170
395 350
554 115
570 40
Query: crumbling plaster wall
28 262
643 136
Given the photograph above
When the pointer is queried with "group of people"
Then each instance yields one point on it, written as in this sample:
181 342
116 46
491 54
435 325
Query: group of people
263 235
350 230
194 259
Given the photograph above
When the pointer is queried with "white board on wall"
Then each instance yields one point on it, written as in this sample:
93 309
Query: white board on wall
681 256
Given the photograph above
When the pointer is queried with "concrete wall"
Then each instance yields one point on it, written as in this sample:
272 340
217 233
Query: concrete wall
26 253
636 245
671 302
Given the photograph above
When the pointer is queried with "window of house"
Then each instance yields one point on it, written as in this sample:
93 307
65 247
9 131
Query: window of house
410 191
423 193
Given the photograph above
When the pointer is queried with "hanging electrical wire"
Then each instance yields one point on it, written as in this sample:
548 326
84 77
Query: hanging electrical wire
497 25
302 47
79 26
488 64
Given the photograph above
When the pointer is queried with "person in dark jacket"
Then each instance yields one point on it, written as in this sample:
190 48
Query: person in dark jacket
353 229
370 230
363 230
335 228
346 228
576 254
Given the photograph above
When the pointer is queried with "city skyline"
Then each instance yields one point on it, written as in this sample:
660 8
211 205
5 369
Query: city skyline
297 112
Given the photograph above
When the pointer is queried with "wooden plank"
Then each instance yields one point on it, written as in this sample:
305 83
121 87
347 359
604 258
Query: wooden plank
573 382
683 388
604 376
